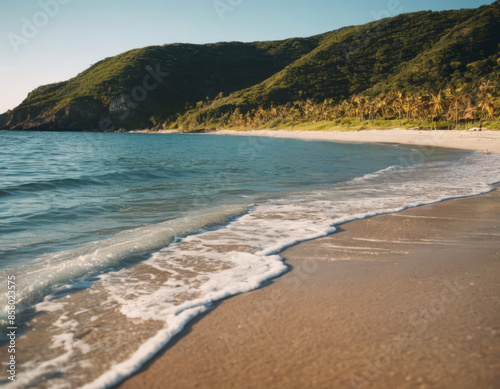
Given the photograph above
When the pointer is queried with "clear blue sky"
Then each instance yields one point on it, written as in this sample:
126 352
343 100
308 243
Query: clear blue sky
69 37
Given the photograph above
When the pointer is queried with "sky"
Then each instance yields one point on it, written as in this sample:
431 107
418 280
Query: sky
46 41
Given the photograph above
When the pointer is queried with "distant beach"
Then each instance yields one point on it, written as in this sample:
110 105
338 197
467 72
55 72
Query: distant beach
482 141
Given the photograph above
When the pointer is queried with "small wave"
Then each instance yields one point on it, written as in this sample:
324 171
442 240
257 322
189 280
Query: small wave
44 275
38 186
379 173
83 181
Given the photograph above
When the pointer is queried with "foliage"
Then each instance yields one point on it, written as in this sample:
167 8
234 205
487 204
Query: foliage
448 108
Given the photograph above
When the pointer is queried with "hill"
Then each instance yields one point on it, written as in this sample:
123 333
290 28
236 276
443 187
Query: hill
193 86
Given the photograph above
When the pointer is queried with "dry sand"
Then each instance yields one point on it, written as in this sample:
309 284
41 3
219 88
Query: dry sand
483 141
406 300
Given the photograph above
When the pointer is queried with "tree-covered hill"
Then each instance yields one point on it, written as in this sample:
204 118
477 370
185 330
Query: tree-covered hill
192 86
175 75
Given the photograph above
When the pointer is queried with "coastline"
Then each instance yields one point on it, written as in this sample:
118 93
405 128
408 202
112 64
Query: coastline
481 141
359 310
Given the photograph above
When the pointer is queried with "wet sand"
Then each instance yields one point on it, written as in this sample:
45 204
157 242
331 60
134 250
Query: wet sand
406 300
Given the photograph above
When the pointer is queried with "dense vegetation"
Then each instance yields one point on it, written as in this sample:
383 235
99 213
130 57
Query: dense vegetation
445 109
437 67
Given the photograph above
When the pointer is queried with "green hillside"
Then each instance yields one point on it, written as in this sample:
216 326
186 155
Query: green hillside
194 86
190 73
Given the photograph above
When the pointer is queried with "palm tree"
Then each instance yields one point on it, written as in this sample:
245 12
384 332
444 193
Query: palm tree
487 106
437 106
486 87
455 98
398 105
423 106
381 103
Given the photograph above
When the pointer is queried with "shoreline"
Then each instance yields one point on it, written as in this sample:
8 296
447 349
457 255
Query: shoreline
356 293
487 142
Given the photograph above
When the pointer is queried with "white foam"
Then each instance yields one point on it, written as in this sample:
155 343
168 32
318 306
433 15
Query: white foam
51 272
393 168
247 274
49 306
62 363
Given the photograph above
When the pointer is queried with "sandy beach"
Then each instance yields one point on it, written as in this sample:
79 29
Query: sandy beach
405 300
482 141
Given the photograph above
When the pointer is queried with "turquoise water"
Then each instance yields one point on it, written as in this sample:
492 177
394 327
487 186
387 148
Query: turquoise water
59 190
108 233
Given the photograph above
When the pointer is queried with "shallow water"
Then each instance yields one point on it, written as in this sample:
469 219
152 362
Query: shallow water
121 239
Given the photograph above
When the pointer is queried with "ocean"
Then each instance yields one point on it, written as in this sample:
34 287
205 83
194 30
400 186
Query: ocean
116 241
